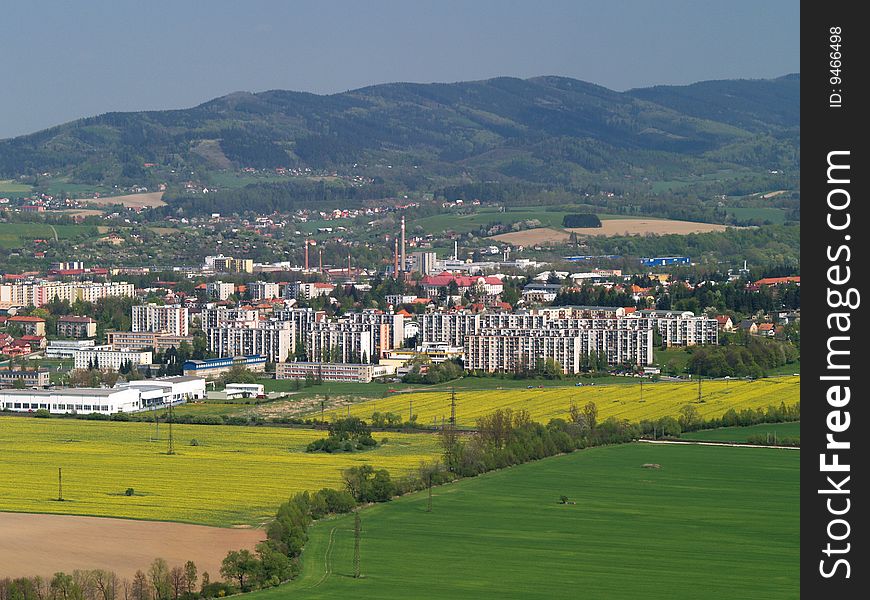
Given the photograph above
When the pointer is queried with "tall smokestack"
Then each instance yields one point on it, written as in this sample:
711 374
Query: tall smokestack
395 258
306 255
402 257
320 250
455 250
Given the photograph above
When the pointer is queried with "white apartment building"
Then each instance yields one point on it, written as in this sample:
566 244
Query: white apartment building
303 318
681 328
219 290
330 342
272 339
37 293
395 324
106 357
223 315
450 328
263 290
172 319
301 289
519 349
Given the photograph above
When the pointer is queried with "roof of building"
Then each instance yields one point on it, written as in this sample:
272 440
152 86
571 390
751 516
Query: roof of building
778 280
723 319
87 392
24 319
443 280
75 319
766 327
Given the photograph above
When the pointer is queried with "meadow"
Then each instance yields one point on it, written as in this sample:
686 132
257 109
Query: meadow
17 235
234 476
12 187
742 434
621 401
712 522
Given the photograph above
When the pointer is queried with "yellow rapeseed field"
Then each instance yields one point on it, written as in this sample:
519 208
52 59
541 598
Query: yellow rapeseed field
235 475
616 400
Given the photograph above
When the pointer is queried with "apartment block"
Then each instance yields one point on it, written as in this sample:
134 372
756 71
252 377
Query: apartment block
172 319
352 373
145 339
273 339
263 290
331 342
72 326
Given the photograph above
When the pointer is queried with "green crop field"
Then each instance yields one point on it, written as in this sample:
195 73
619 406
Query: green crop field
15 235
741 434
620 401
235 475
9 186
712 522
774 215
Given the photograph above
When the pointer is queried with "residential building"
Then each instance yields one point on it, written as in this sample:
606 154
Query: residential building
352 373
724 323
228 264
72 326
171 318
332 342
29 377
29 325
37 293
219 290
308 290
395 323
273 339
424 262
145 339
263 290
539 293
106 357
450 328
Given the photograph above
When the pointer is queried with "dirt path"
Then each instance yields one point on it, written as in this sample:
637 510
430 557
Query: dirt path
32 544
733 445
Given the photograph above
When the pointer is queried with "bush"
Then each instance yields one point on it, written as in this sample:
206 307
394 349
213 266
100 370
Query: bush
42 413
129 492
581 220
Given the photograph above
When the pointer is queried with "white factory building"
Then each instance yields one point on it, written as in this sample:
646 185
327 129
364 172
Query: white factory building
125 397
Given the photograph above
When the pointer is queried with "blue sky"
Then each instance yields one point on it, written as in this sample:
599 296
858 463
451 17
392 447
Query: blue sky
63 60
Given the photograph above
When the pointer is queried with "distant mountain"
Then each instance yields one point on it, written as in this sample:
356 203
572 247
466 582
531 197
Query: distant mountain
552 130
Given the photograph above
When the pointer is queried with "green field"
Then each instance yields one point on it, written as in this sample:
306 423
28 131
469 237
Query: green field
234 475
774 215
12 187
463 223
713 522
16 235
742 434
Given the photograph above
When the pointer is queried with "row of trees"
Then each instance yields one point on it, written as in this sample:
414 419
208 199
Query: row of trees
754 358
159 582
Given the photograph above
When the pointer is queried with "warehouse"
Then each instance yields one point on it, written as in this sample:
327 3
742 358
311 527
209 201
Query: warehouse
72 400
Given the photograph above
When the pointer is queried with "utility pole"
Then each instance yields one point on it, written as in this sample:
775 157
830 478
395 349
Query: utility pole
453 407
410 410
59 484
322 406
641 389
171 448
356 536
699 386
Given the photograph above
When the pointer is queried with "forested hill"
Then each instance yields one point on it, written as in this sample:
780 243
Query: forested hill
551 130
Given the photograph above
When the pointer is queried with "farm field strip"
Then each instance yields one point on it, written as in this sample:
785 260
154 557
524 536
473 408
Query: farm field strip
620 401
693 524
235 475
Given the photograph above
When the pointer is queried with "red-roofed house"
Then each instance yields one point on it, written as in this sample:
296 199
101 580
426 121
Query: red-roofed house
30 325
767 329
725 323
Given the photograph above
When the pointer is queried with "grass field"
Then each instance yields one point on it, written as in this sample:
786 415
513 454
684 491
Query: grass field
742 434
621 401
774 215
15 235
12 187
712 523
236 475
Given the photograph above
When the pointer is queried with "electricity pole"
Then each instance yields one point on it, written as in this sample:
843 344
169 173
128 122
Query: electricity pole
356 536
453 407
171 448
59 484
